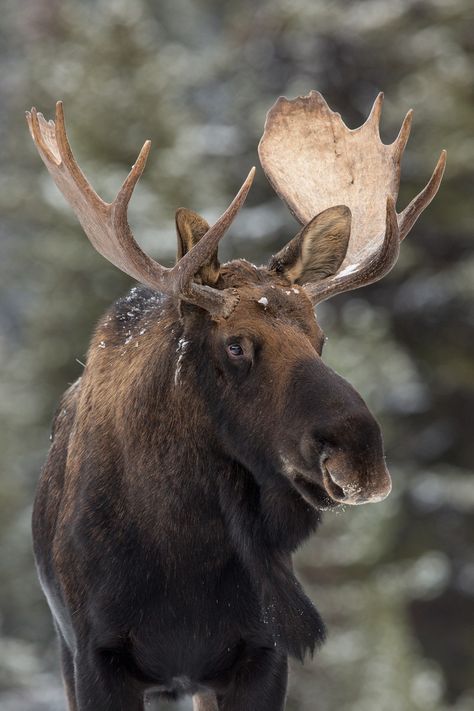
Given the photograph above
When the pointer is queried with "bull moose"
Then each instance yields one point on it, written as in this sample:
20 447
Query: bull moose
206 434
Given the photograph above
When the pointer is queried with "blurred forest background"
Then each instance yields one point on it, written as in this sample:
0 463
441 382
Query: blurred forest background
394 582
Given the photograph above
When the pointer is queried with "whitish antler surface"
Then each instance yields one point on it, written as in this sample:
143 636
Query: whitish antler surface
314 161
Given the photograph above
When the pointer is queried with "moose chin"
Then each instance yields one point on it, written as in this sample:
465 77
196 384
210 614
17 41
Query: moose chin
207 434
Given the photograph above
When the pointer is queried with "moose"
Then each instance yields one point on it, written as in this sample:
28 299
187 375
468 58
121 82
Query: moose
206 435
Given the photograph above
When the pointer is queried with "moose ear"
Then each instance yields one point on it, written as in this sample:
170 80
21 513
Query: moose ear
190 227
318 250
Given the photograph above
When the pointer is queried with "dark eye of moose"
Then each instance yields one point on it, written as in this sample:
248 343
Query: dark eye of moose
235 350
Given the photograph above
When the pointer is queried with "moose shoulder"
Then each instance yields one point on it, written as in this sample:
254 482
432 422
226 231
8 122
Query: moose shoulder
206 434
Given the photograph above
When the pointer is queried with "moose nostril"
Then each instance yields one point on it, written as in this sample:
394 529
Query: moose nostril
332 487
337 490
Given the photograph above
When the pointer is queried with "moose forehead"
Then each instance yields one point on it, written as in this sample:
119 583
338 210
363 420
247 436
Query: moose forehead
268 298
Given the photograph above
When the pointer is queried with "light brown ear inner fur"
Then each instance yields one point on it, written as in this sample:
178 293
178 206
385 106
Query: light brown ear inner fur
318 250
190 228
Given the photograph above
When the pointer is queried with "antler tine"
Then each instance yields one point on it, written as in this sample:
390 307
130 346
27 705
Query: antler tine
373 118
123 251
400 142
128 185
410 214
68 160
33 118
373 268
106 224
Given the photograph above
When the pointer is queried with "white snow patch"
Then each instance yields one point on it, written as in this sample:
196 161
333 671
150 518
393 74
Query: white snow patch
132 294
182 343
295 290
264 301
101 344
181 350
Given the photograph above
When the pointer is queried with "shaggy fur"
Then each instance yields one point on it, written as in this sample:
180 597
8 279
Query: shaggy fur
181 478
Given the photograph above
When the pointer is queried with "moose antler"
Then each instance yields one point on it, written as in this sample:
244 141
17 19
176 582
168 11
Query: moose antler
106 224
313 161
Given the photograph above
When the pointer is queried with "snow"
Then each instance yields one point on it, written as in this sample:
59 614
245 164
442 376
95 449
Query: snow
182 343
263 300
181 350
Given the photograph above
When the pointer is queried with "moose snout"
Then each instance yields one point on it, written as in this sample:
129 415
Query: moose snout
353 465
341 446
348 486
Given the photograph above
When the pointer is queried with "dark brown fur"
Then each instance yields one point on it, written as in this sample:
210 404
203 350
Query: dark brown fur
180 480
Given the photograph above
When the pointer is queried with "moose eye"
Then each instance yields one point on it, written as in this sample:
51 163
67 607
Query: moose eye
235 350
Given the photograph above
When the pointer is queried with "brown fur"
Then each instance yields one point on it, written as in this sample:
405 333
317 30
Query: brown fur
179 475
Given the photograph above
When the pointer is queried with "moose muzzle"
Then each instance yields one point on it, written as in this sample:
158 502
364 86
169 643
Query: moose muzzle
340 448
346 486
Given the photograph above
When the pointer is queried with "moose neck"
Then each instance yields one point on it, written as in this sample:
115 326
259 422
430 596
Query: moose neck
171 481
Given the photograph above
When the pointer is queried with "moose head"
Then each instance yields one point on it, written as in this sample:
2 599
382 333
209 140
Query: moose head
280 408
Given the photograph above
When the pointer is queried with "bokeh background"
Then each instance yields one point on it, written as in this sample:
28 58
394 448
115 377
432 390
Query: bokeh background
395 582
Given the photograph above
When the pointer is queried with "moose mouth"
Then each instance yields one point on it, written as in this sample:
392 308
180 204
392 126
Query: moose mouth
324 496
